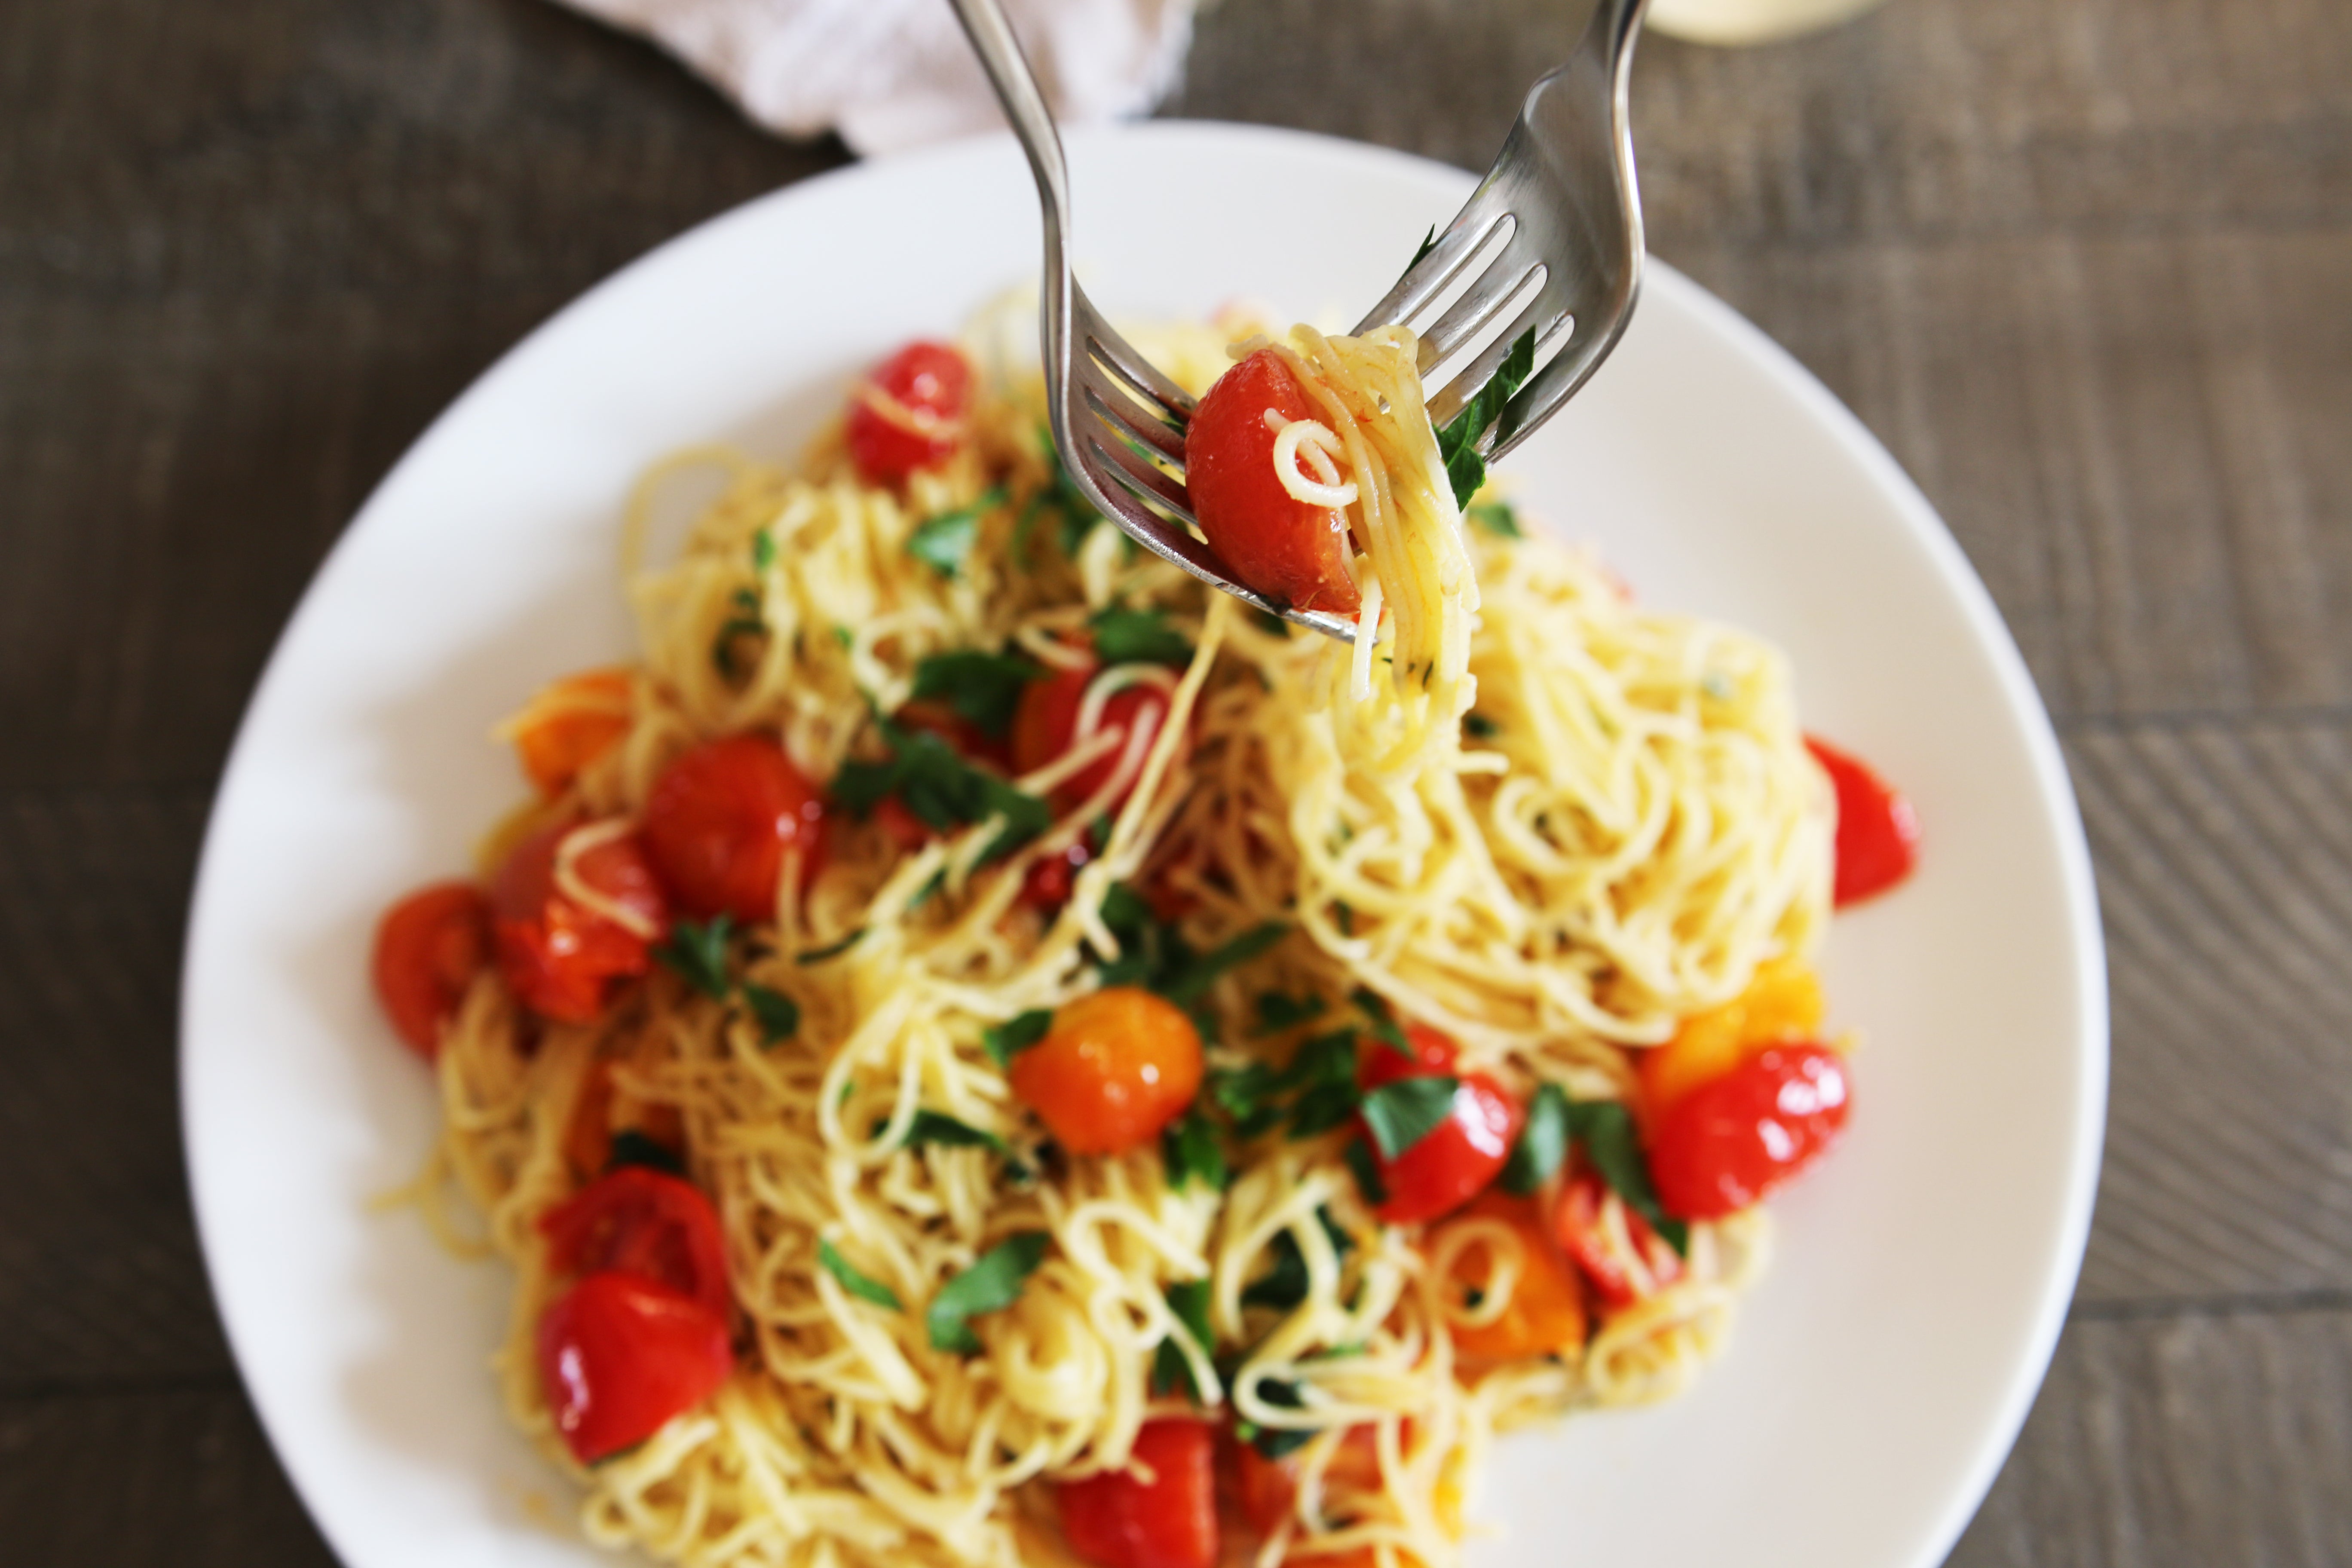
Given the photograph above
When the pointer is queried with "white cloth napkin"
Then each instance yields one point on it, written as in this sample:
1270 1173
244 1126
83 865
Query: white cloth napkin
892 74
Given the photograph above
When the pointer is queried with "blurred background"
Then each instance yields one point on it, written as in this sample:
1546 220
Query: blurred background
2084 265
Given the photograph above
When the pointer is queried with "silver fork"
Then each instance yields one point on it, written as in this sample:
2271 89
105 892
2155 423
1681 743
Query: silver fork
1560 198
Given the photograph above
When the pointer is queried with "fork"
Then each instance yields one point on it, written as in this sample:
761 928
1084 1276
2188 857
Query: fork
1561 199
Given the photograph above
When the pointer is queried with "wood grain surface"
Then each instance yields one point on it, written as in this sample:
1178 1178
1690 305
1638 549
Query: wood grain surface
2085 266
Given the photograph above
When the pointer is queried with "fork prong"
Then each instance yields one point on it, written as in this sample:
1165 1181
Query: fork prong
1135 470
1556 381
1426 279
1163 435
1544 313
1502 283
1100 343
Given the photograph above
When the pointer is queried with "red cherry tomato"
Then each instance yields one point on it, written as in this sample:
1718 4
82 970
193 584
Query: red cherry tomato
1119 1520
1730 1141
1046 722
645 1224
1050 881
1878 830
908 413
1277 543
1621 1269
1455 1161
428 948
968 738
620 1356
719 819
561 959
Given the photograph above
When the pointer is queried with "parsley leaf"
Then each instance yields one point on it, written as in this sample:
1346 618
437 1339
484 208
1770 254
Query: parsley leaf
984 688
857 1284
1188 1148
1457 442
632 1147
1009 1039
1478 727
938 1127
1275 1442
1496 518
778 1015
1543 1141
1188 1299
699 954
992 1284
764 552
940 788
1382 1021
1284 1286
1428 244
1403 1111
830 950
1604 1129
1277 1011
1360 1159
944 543
1138 637
1195 975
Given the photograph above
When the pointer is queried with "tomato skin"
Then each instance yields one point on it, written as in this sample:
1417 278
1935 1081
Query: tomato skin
428 948
1115 1068
645 1223
1046 722
1049 881
1546 1315
619 1356
1877 828
1782 1005
719 819
933 383
967 739
588 1136
570 723
561 961
1117 1519
1461 1154
1737 1139
1578 1229
1275 542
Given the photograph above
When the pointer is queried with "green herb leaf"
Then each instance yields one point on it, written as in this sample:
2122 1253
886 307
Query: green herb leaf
1015 1034
944 543
1170 1369
992 1284
1381 1021
857 1284
632 1147
940 788
984 688
1543 1141
699 954
1603 1130
1367 1168
1284 1285
778 1015
1496 518
1138 637
1402 1113
1457 442
1198 974
1478 727
1325 1067
937 1127
1191 1151
1277 1011
830 950
764 552
1428 244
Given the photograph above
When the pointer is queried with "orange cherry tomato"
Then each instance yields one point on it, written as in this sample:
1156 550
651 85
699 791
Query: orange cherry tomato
560 959
1267 1489
1546 1314
1284 548
1117 1520
1612 1246
1115 1068
908 413
1878 829
428 948
1781 1005
1730 1143
1458 1158
643 1223
1046 723
719 820
619 1356
568 724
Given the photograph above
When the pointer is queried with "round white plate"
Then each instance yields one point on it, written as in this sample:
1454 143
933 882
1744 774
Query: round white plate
1878 1374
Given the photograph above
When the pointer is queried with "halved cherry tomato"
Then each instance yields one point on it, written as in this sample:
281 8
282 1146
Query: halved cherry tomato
561 959
620 1356
1119 1520
600 1111
1267 1489
719 819
1781 1005
1878 830
568 724
1046 723
1283 547
1115 1068
1612 1246
1458 1158
428 948
1546 1314
645 1223
1732 1141
908 413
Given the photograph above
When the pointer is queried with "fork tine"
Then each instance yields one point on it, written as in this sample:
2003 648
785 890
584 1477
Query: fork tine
1164 435
1134 470
1101 343
1428 278
1480 303
1545 314
1555 383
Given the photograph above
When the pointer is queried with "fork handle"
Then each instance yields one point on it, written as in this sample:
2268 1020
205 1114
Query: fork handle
992 40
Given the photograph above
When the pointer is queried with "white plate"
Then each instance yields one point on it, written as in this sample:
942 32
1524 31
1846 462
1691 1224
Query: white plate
1879 1373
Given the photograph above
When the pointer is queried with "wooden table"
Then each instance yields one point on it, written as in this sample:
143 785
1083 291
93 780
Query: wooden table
2085 266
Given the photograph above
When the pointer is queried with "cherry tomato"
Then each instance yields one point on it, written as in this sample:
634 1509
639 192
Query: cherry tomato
620 1356
1878 830
1115 1068
1049 881
1117 1520
1546 1313
1046 723
908 413
645 1223
1455 1161
599 1111
428 948
1781 1005
569 724
1730 1141
719 822
1275 542
561 959
1612 1246
968 738
1267 1489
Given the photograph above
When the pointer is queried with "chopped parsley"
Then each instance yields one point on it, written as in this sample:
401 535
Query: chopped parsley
1009 1039
1284 1285
1190 1149
1496 518
863 1287
1543 1141
983 688
1277 1011
1170 1368
830 950
942 789
1138 637
1457 442
993 1283
778 1015
944 543
1403 1111
633 1147
697 954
